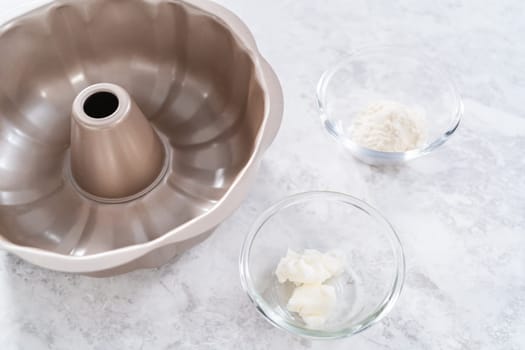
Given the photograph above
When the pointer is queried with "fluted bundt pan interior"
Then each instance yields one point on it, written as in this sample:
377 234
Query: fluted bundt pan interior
193 70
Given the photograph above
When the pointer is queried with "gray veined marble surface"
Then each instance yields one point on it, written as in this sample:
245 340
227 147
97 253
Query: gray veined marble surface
460 211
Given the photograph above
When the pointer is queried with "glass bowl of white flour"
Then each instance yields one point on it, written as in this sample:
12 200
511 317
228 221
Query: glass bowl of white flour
388 105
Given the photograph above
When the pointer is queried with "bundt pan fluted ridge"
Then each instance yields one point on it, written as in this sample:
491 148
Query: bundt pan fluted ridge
129 129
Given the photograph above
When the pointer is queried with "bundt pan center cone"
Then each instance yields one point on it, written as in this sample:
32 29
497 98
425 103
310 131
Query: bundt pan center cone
129 129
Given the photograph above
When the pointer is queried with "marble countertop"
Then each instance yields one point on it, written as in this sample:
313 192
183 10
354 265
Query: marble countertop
460 211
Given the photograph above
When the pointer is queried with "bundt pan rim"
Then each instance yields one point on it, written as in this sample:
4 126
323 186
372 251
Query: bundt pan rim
230 200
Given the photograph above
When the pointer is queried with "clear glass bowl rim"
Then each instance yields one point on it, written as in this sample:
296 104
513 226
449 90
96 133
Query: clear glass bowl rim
383 309
393 51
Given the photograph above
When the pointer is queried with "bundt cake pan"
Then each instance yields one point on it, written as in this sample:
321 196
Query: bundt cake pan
129 129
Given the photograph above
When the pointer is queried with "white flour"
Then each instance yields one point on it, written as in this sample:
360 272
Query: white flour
389 127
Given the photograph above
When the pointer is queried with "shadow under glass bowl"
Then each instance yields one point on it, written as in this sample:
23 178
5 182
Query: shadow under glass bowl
193 69
388 74
375 264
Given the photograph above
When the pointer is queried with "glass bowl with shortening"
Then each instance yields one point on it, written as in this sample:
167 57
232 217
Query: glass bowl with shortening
322 265
388 105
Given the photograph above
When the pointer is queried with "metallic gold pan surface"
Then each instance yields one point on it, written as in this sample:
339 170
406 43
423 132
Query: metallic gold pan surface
191 67
116 156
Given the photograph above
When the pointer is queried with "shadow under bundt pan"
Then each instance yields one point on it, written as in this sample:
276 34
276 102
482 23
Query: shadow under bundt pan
194 72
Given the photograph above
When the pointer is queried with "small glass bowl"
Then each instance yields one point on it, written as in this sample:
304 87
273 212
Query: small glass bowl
391 74
325 221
